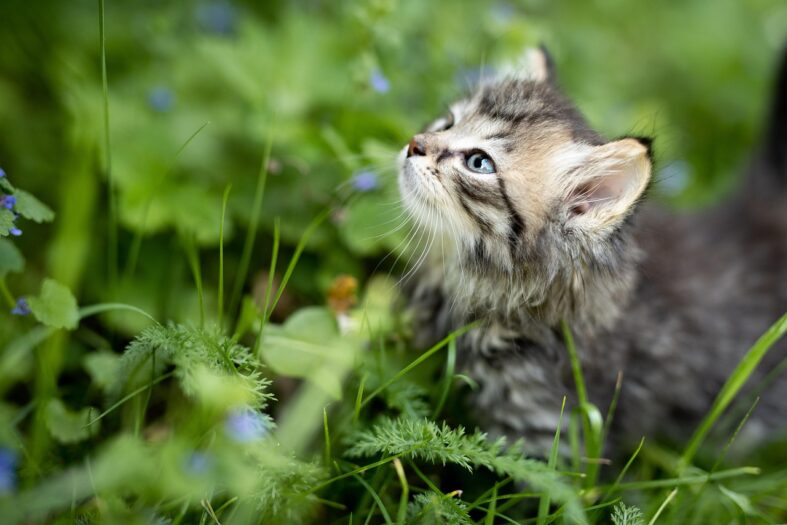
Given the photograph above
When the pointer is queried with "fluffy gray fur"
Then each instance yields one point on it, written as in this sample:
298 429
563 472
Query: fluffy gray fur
671 301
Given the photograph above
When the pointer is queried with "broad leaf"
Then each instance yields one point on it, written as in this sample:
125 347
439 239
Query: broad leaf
68 426
6 221
11 260
31 208
55 306
103 368
308 345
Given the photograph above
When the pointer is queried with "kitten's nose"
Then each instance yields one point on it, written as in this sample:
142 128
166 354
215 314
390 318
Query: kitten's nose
417 147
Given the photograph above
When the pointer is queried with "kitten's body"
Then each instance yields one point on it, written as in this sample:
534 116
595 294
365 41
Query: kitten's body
671 301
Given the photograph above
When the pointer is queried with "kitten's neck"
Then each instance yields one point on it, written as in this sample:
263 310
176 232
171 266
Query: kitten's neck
588 290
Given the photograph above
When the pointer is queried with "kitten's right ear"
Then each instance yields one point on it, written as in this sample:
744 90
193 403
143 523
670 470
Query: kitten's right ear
536 64
608 184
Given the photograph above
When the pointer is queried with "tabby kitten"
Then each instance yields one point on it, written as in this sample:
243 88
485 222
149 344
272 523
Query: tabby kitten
539 220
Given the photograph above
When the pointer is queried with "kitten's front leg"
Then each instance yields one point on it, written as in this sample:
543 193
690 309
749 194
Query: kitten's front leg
521 387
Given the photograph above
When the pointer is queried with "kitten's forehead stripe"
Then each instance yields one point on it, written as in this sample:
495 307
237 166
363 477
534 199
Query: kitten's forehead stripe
523 104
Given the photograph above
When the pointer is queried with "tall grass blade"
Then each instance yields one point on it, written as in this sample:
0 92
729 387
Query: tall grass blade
190 247
136 243
224 200
112 226
663 506
307 234
401 514
420 359
251 233
592 423
543 504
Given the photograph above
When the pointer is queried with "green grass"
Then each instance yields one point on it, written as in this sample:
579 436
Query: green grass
211 384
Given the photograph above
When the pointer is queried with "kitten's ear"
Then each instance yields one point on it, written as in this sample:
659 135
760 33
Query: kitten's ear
536 64
608 184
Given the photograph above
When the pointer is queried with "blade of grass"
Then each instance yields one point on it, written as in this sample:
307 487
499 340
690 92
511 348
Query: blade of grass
663 506
189 246
723 453
543 504
592 424
732 386
327 436
224 199
129 396
420 359
376 498
450 367
272 269
359 398
269 291
684 481
492 509
401 514
251 233
620 476
136 243
316 222
734 435
112 226
613 405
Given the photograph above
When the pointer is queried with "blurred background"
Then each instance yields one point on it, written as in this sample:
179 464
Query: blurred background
197 90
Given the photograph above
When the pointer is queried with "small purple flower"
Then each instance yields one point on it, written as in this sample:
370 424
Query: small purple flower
21 308
365 181
8 202
378 82
218 17
2 173
161 99
198 463
16 232
8 460
245 425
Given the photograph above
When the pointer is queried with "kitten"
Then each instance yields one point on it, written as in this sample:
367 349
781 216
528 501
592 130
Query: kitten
536 218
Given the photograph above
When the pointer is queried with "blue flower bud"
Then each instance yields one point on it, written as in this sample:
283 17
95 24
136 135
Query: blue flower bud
365 181
378 82
21 308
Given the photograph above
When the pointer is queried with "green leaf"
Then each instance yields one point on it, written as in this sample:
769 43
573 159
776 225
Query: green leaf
308 345
68 426
55 306
103 368
31 208
11 260
742 501
6 222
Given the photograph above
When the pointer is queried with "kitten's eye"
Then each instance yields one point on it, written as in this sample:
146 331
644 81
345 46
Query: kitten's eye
480 162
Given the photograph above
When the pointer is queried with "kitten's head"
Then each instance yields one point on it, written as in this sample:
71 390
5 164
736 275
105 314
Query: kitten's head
515 175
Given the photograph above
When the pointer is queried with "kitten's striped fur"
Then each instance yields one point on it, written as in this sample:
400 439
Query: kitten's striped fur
673 302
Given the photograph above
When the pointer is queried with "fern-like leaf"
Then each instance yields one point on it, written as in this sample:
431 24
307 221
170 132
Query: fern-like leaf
431 508
623 515
427 441
189 350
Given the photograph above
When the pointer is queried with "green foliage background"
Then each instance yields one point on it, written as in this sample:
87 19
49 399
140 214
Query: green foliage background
198 92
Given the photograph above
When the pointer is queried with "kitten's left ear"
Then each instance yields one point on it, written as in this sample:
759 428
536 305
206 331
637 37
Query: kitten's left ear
536 64
608 184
